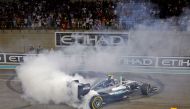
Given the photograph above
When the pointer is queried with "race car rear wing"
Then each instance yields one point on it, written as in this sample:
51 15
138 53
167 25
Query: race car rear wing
79 90
83 89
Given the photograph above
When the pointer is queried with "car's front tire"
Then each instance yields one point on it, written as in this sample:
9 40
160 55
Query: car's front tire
96 102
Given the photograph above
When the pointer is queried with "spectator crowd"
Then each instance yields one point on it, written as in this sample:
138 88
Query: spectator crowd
73 14
56 14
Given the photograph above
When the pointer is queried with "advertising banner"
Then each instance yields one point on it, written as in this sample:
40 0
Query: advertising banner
63 39
138 61
14 58
124 61
174 62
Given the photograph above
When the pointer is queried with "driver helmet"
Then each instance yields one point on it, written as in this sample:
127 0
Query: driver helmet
110 77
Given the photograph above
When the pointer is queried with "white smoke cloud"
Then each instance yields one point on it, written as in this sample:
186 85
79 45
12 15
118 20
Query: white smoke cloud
45 77
44 81
150 36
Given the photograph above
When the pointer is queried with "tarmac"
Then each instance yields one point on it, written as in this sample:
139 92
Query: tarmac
174 93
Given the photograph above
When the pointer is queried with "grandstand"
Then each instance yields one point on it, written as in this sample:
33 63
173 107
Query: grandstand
23 21
83 14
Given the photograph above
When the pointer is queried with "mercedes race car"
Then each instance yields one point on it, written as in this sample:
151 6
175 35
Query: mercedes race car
110 90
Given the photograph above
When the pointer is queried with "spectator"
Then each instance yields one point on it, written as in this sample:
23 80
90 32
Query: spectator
31 48
38 49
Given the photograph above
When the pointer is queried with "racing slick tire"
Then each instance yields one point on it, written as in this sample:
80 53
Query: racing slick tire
145 89
96 102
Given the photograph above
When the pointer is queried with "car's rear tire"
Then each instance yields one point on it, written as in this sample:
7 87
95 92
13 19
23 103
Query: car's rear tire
96 102
145 89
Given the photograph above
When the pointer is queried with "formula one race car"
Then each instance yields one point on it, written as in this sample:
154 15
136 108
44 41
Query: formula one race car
110 90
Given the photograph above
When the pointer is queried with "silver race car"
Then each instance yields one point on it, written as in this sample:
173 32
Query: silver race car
110 90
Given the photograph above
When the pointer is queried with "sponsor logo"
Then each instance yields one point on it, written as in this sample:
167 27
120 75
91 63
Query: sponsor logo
14 58
138 61
174 62
86 88
90 39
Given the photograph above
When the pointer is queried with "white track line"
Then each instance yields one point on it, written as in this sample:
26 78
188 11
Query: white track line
4 80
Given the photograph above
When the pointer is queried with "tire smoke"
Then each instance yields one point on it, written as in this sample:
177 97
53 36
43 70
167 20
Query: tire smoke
44 81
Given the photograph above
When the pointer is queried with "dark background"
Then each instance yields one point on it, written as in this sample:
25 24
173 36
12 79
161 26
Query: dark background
169 8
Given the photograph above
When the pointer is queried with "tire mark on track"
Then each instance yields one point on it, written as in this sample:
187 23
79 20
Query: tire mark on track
23 107
14 87
11 87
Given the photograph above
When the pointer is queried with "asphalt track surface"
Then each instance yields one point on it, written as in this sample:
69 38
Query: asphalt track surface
174 92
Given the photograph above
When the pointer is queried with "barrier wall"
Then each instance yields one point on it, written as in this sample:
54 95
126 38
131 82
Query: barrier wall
122 61
141 43
20 41
152 52
132 64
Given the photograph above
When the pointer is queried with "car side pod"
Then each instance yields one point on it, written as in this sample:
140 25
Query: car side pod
96 102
